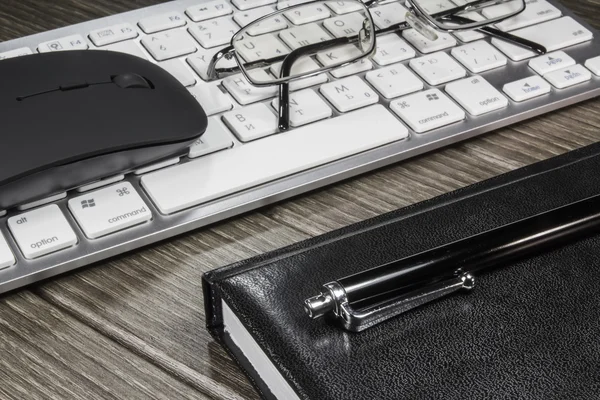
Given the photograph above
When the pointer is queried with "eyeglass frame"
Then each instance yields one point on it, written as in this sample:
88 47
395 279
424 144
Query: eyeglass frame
467 7
290 58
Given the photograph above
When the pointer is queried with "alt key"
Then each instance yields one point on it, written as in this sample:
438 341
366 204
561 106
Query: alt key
109 210
42 231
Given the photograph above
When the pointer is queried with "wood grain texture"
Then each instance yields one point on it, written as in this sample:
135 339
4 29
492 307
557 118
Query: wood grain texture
150 302
46 353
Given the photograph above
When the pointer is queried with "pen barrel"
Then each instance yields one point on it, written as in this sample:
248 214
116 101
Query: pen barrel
489 249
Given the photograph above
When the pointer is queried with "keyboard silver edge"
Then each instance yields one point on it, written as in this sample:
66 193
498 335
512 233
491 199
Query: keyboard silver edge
162 227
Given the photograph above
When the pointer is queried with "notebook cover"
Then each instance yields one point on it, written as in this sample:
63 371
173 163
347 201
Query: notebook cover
530 330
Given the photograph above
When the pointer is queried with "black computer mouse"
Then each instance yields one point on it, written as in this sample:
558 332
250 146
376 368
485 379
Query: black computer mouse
74 117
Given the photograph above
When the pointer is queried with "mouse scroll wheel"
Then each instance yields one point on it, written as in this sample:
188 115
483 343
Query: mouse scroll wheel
131 81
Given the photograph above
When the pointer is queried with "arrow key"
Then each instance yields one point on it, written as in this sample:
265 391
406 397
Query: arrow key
551 62
394 80
569 76
528 88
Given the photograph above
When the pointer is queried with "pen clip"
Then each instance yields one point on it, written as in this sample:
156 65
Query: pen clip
361 319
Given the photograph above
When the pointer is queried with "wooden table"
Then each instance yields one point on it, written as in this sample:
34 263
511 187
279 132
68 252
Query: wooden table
133 327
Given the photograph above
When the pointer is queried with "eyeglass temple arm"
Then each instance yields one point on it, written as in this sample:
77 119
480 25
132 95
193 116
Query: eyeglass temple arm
286 71
497 33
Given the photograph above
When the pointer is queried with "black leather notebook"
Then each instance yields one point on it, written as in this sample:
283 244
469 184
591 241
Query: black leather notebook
529 330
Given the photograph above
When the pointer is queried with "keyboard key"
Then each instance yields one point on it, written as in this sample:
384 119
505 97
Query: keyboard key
512 51
162 22
268 25
73 42
248 4
128 47
199 62
244 92
215 32
23 51
435 6
170 44
394 81
42 231
7 258
209 10
260 48
308 14
305 107
109 210
347 52
392 49
424 45
212 99
593 64
476 95
252 122
472 35
349 94
302 65
569 76
304 35
113 34
479 56
179 70
536 11
388 14
216 138
428 110
437 68
343 7
527 88
157 166
556 34
344 25
551 62
294 151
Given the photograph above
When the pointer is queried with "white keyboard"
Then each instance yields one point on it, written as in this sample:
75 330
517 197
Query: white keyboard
412 97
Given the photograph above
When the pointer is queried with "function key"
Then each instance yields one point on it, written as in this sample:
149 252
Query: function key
109 210
7 258
23 51
74 42
113 34
209 10
42 231
162 22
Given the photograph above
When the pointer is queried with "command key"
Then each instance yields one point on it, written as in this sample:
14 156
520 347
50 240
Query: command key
42 231
109 210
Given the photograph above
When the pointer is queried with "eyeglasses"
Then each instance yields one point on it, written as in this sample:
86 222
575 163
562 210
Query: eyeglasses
321 43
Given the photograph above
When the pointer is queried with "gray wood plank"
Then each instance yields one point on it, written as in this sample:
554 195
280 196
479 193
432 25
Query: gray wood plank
46 353
150 301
